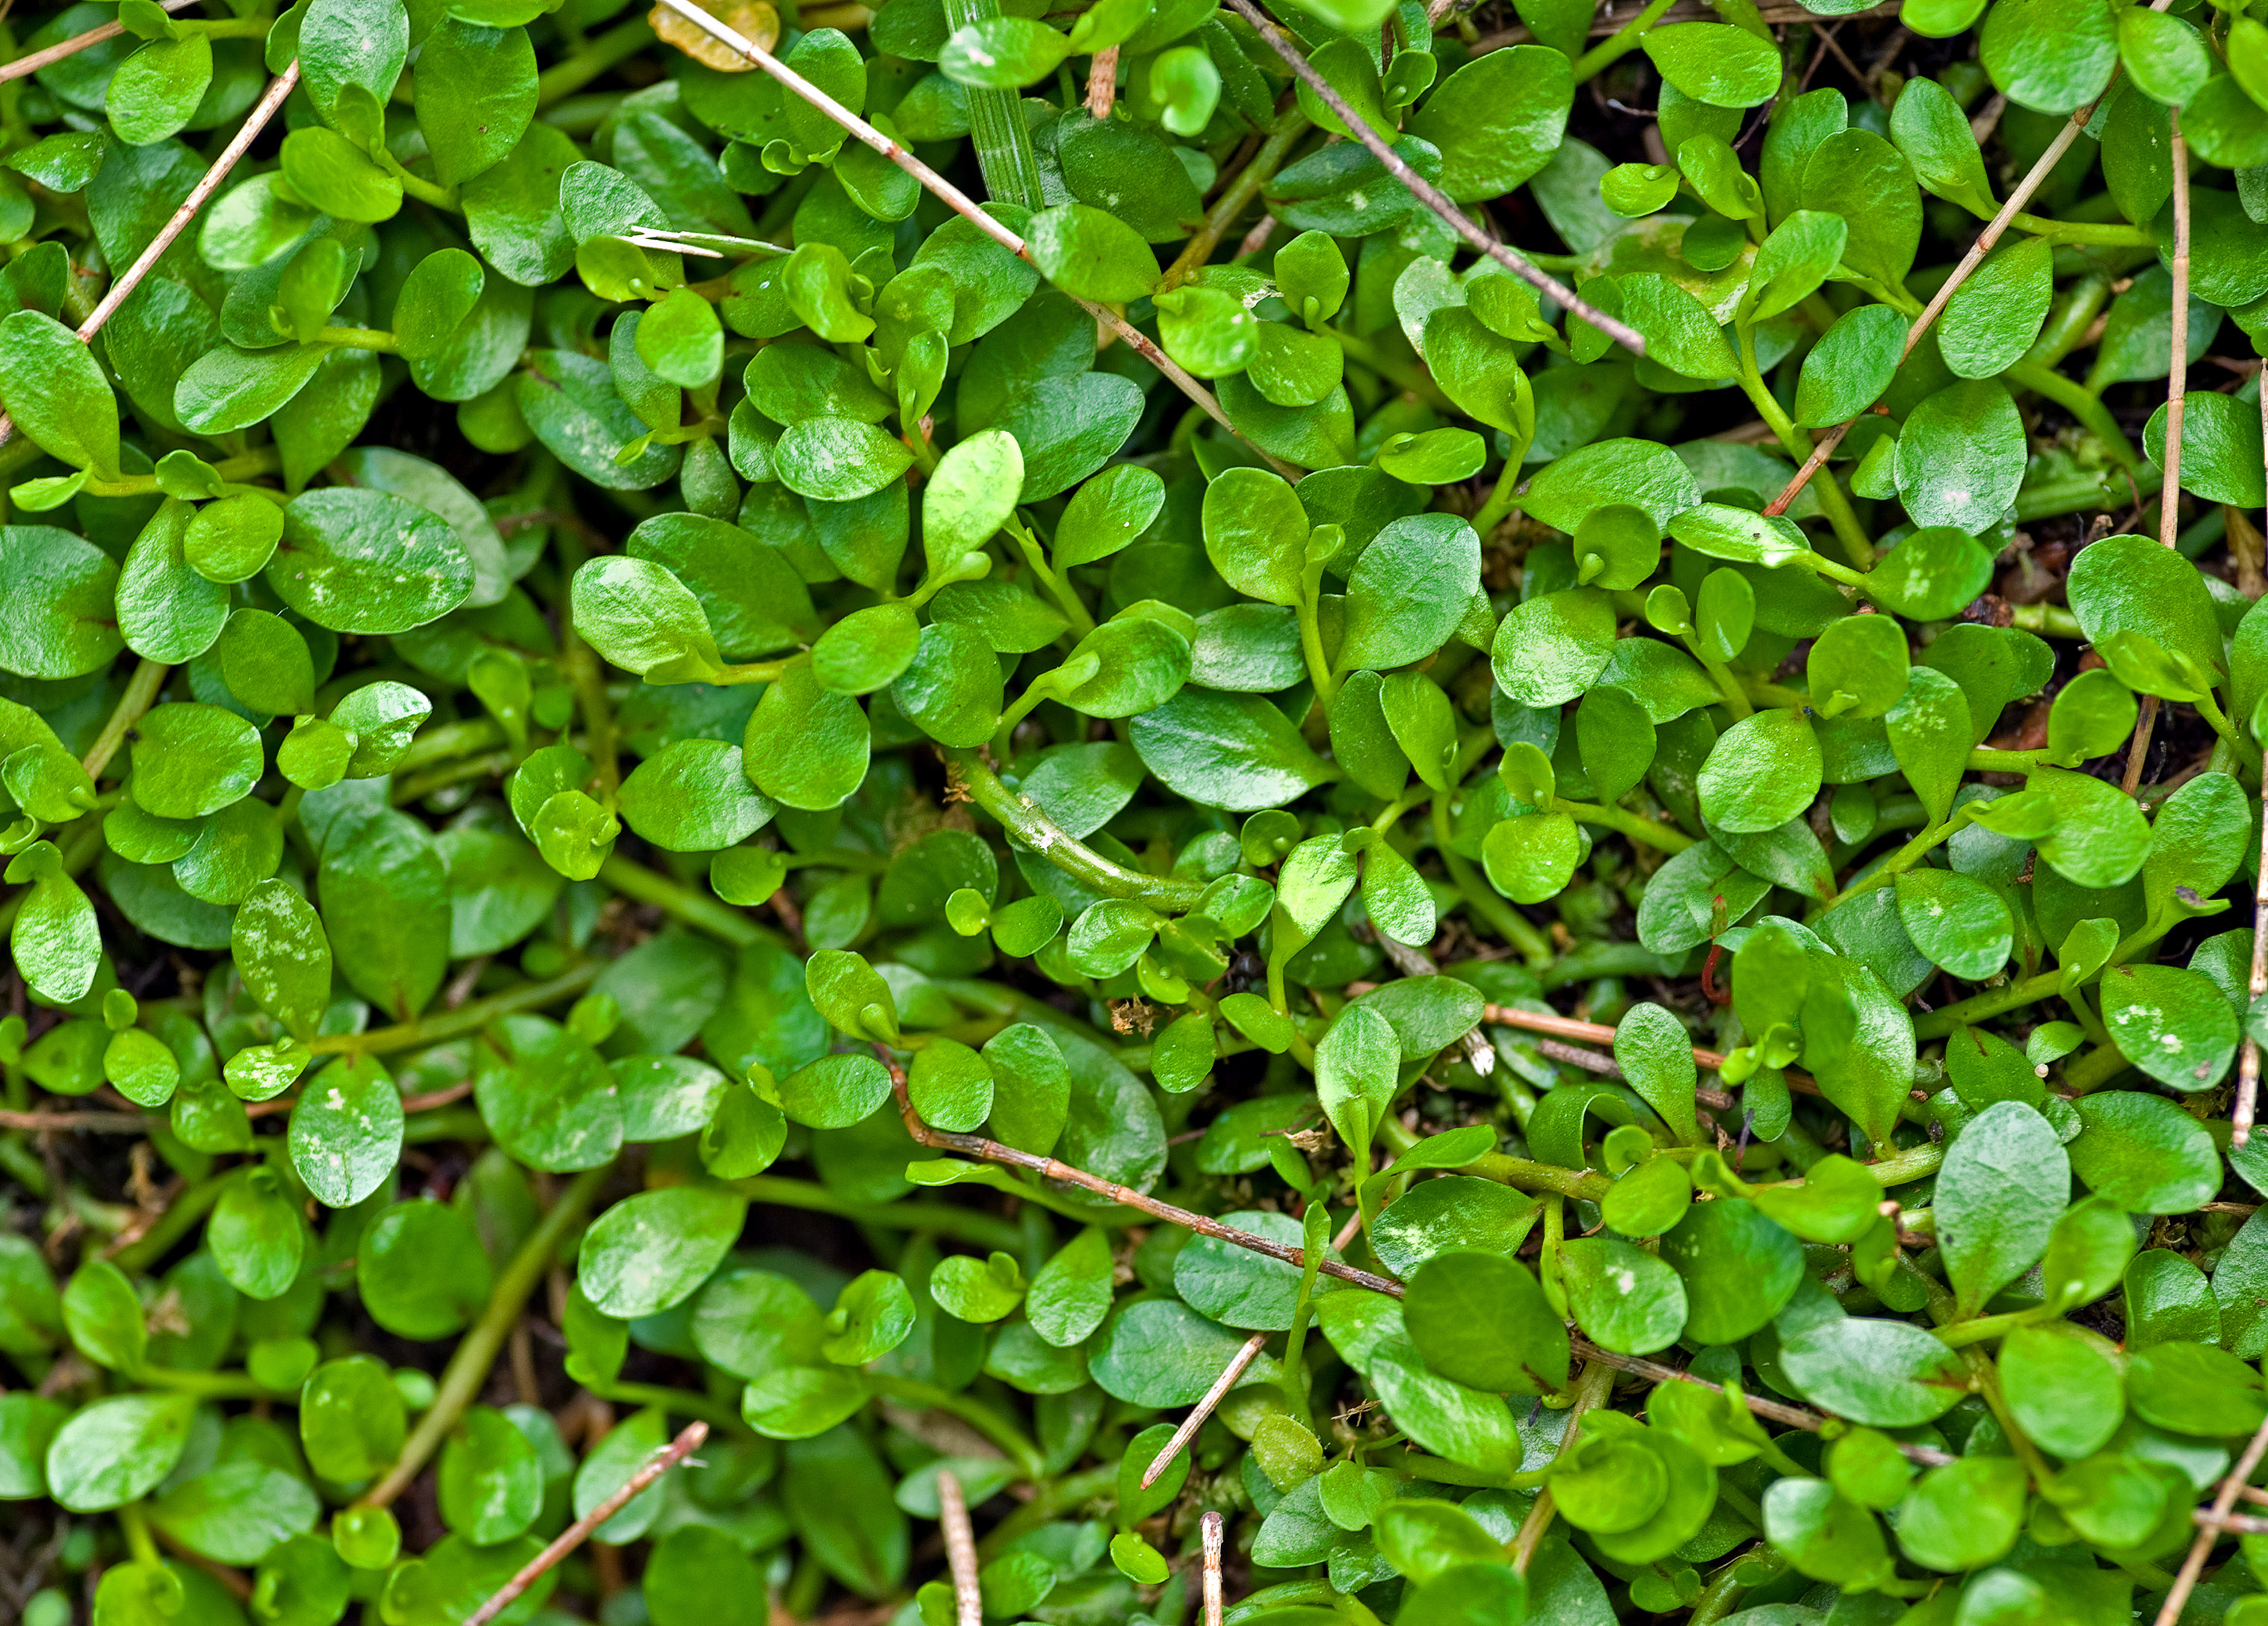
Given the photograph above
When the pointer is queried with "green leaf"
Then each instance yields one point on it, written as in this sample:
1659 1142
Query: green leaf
650 1251
57 394
1090 254
1714 64
1356 1072
1482 1319
347 1131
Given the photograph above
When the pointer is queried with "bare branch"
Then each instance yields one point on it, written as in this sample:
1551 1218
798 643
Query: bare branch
2221 1520
255 122
967 208
51 55
960 1550
1203 1409
1425 192
1210 1526
579 1531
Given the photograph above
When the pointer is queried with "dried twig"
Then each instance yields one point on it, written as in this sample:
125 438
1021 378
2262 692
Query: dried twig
2177 367
1417 962
90 1123
1203 1409
2248 1066
960 1550
1424 190
47 56
1985 241
1103 83
255 122
1598 1033
2193 1565
1209 1525
966 207
579 1531
1049 1169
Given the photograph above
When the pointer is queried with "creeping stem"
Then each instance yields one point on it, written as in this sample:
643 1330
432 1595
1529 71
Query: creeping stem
468 1369
1021 817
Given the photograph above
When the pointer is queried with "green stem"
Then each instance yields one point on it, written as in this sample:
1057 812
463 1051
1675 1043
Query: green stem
1311 650
2072 397
2049 621
1904 1167
1526 1174
1985 760
1509 923
1857 544
1620 43
1994 1002
1906 857
760 670
681 903
1502 500
467 1370
1483 900
2074 311
136 1527
179 1219
1022 819
963 1224
1052 1497
1651 832
1958 1335
451 740
1231 203
1295 1386
2105 234
1392 369
141 692
228 27
584 675
686 1403
609 49
205 1385
971 1410
1060 590
468 1019
363 338
2096 1068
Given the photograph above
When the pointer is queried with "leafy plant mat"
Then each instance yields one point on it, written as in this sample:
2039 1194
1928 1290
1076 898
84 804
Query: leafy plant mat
947 813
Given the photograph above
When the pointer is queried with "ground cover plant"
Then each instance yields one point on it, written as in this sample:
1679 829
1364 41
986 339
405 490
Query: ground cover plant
1435 814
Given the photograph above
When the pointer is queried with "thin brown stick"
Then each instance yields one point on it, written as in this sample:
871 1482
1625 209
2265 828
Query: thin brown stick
960 1550
255 122
2248 1064
1607 1067
1103 83
47 56
1985 241
2193 1565
1049 1169
968 209
1598 1033
87 1122
1209 1526
1203 1409
579 1531
2138 750
1424 190
2177 367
